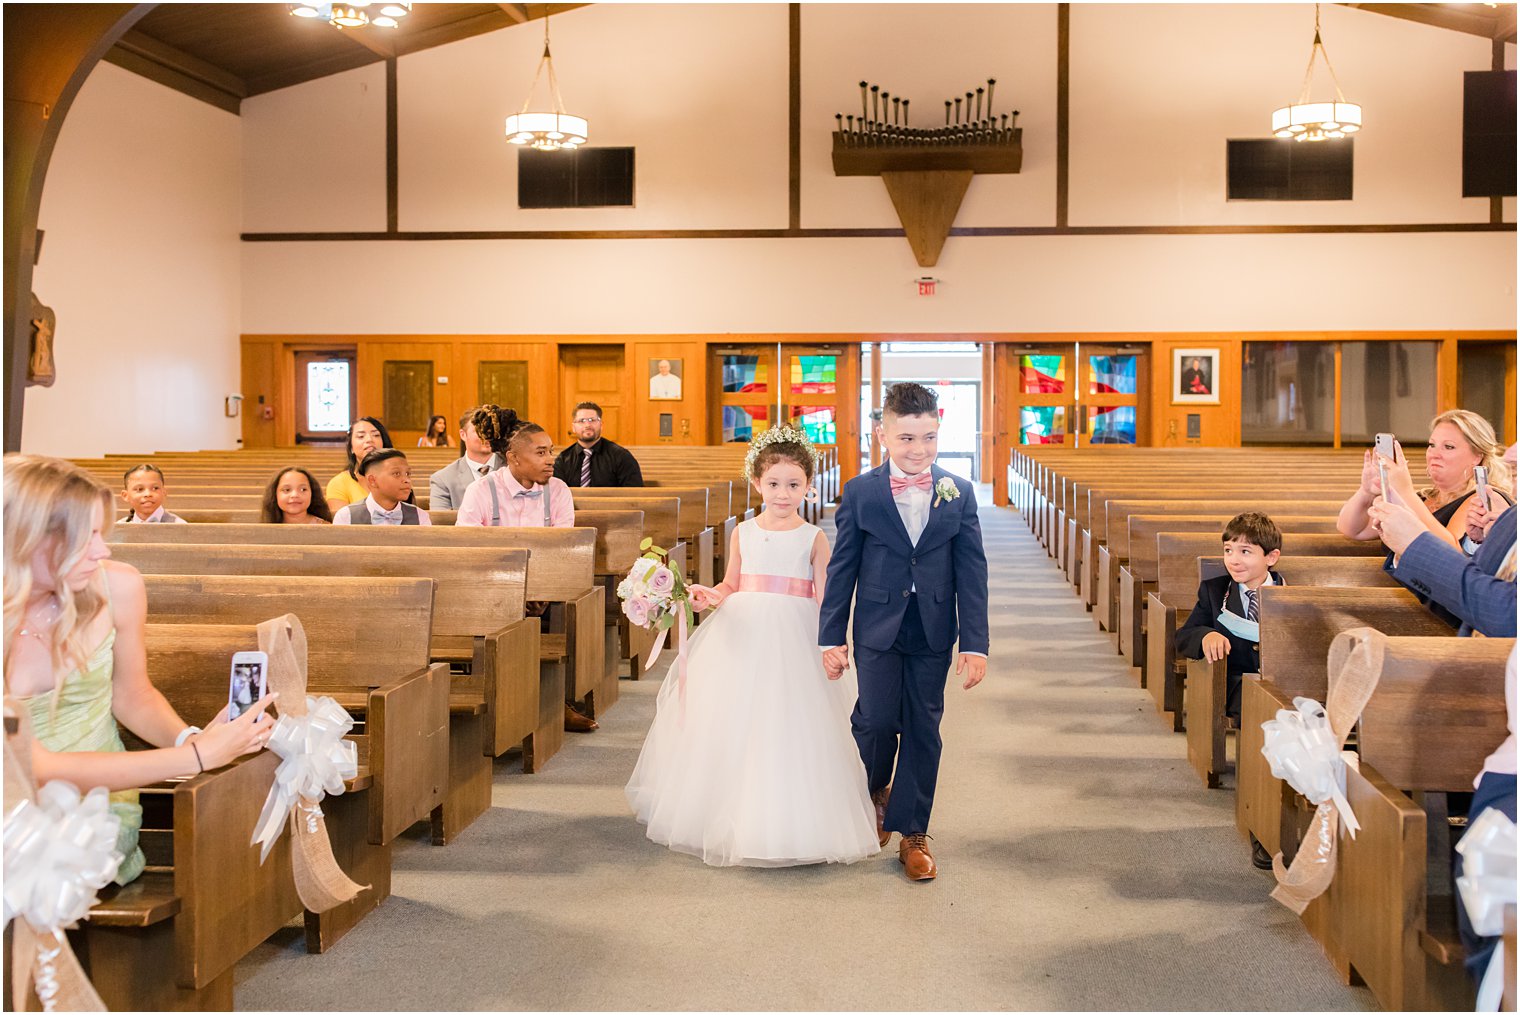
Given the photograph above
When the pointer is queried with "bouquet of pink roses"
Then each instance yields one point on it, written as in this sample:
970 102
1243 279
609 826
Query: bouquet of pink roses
654 594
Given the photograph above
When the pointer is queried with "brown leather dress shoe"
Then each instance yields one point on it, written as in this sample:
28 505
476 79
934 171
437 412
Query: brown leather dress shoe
913 854
577 723
880 800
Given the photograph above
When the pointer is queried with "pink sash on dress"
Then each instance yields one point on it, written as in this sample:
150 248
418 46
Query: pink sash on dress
777 584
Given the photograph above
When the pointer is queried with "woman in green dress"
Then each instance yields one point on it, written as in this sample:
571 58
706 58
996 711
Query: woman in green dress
75 656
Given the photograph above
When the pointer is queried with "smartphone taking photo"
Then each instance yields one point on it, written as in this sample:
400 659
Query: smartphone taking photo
1382 447
248 682
1480 476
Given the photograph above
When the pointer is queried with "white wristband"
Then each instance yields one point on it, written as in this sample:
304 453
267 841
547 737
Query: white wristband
186 734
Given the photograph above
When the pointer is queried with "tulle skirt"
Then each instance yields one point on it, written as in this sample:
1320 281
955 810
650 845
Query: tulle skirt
758 768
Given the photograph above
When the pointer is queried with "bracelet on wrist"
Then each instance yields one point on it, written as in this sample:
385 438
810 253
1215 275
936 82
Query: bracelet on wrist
186 734
199 764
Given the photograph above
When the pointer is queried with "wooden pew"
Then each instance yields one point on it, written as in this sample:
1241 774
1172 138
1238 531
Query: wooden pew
560 572
1437 713
478 626
1303 534
695 528
366 636
1297 626
169 940
1205 690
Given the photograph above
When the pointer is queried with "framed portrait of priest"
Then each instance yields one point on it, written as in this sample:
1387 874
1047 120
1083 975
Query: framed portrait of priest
1195 376
665 380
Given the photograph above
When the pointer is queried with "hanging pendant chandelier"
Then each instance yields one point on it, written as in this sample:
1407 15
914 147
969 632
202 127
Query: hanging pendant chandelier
354 14
547 131
1317 121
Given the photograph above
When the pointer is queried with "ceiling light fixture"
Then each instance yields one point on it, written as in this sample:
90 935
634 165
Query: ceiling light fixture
354 14
547 131
1317 121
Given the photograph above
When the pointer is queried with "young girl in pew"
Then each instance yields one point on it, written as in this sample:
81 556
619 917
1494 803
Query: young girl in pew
389 479
525 493
294 498
143 489
365 434
750 760
75 656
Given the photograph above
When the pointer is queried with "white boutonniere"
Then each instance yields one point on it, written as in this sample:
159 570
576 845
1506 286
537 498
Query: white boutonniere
945 490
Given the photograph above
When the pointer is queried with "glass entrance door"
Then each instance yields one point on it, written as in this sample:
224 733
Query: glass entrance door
1045 393
1112 378
746 392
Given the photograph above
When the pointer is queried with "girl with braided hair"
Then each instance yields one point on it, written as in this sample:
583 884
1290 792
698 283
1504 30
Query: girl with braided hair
750 760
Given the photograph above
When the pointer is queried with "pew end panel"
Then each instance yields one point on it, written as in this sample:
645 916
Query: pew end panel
1258 795
407 722
1206 691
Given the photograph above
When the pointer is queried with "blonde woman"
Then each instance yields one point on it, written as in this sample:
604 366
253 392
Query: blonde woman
1459 441
75 657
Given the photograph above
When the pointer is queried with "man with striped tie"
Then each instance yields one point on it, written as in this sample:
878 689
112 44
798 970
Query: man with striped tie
593 460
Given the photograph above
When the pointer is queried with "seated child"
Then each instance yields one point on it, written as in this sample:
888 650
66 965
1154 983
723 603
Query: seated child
1224 623
143 490
388 477
294 498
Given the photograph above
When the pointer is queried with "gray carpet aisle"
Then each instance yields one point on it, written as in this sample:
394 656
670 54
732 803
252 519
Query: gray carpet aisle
1081 867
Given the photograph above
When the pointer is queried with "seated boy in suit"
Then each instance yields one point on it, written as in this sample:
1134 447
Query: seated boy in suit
389 478
1224 623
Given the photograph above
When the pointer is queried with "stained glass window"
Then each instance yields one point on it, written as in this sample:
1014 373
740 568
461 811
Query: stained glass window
1112 375
1114 425
813 375
741 421
327 408
744 375
1042 424
817 421
1042 375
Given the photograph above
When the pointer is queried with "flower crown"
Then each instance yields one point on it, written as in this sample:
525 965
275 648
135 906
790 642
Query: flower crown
782 434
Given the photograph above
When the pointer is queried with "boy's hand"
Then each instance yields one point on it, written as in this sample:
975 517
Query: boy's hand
835 661
1215 646
975 668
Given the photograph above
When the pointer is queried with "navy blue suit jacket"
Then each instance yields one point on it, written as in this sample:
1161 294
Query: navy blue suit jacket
1465 586
875 563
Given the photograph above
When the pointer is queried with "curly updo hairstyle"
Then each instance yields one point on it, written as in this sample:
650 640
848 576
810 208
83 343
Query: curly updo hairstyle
782 444
501 428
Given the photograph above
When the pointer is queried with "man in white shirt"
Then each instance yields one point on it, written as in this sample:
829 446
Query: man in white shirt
446 487
664 384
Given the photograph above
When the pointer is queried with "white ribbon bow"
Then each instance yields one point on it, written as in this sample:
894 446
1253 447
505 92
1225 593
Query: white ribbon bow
1305 753
316 762
1487 885
60 850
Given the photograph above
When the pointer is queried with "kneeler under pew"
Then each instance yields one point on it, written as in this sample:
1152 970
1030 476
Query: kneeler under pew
1437 712
378 666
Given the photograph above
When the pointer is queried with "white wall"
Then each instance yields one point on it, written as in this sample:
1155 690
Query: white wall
1392 281
140 263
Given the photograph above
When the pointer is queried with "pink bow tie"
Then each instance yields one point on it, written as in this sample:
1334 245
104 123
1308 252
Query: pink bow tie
922 481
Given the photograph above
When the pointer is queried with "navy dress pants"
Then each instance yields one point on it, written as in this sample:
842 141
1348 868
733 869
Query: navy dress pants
896 721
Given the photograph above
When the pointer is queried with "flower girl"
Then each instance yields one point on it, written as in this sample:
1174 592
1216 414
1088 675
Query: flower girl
752 762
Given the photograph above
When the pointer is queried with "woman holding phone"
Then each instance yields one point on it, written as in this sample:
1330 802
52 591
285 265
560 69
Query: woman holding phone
76 657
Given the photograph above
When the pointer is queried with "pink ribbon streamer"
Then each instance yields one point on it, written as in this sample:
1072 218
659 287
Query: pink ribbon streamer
659 646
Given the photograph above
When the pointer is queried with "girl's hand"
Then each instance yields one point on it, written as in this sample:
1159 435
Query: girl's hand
705 598
228 741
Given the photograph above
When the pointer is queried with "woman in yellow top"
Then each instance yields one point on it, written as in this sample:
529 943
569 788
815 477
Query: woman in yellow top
365 434
75 655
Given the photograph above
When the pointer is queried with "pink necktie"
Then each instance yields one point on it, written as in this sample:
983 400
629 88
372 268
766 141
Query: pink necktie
922 481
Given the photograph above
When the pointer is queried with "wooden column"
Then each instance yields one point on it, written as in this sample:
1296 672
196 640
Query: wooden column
49 51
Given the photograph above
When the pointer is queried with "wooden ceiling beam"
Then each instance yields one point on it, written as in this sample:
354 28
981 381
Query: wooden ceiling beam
359 56
1504 27
490 19
380 41
517 12
1439 16
149 48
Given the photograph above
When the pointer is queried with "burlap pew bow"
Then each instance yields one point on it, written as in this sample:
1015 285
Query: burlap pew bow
316 760
1306 749
60 850
1487 887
